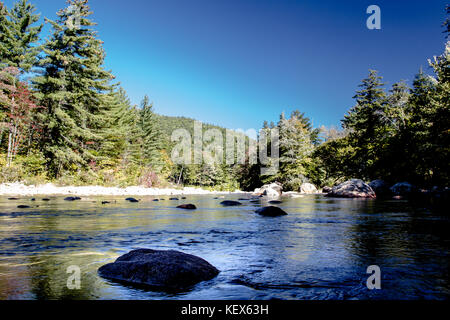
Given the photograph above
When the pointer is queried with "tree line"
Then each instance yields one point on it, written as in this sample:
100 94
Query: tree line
64 118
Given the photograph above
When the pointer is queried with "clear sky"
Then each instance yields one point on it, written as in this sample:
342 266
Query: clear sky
238 63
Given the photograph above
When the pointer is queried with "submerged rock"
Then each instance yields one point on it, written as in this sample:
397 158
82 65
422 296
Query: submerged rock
187 206
354 188
72 199
230 203
271 212
166 270
45 199
155 200
131 200
275 202
23 207
13 198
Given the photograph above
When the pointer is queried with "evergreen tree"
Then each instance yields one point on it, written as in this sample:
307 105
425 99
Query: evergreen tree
367 126
295 147
151 135
19 36
440 117
117 126
73 88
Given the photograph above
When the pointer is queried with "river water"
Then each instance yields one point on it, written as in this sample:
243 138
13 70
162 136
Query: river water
320 250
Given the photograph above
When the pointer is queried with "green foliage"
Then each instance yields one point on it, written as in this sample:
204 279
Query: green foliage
74 89
19 36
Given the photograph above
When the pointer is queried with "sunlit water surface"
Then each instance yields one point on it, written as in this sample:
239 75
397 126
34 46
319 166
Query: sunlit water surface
321 250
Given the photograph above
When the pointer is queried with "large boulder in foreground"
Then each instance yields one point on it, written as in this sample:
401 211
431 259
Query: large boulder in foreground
271 211
308 188
162 270
354 188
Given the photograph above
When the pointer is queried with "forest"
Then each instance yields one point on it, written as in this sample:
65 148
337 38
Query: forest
65 119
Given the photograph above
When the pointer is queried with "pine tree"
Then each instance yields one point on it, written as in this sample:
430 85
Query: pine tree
367 126
74 88
117 123
18 42
151 135
440 115
295 147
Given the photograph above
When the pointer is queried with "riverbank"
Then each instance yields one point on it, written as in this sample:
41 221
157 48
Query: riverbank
19 189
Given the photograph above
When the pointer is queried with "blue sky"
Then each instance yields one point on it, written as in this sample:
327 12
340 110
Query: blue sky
238 63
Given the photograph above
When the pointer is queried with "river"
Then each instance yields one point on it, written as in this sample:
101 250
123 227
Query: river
320 250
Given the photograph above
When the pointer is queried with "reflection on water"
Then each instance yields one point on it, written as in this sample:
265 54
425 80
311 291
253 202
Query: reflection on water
321 250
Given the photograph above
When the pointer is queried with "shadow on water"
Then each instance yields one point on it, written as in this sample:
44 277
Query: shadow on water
321 250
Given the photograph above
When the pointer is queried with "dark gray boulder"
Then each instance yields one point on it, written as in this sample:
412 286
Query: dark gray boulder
173 199
162 270
380 187
326 189
271 212
131 200
275 202
354 188
23 207
230 203
72 199
187 206
403 189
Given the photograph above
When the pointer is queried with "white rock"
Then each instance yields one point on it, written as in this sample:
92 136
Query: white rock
308 188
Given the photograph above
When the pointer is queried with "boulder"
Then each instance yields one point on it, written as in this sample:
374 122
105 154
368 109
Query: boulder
173 199
354 188
72 199
308 188
187 206
380 187
270 190
275 202
162 270
229 203
402 189
271 212
23 207
131 200
326 189
105 202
